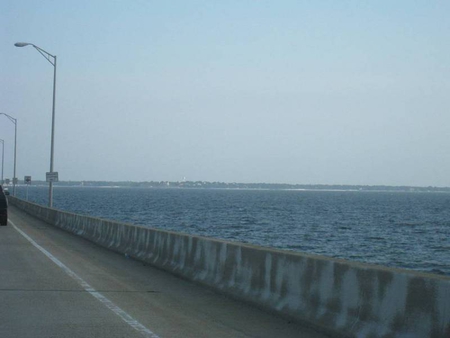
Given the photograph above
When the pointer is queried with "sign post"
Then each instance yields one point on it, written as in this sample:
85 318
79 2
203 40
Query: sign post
51 176
27 181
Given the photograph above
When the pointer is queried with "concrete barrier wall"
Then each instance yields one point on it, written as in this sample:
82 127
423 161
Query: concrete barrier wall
336 296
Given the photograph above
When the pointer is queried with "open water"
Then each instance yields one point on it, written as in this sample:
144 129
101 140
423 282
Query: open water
397 229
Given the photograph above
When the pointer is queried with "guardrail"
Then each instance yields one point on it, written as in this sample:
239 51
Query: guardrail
332 295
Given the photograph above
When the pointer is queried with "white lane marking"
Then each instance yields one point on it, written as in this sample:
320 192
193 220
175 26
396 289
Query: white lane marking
102 299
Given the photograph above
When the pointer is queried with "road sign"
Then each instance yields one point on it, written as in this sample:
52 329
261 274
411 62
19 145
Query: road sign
52 177
7 181
27 179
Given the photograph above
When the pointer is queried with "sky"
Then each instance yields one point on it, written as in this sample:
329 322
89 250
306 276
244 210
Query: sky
301 92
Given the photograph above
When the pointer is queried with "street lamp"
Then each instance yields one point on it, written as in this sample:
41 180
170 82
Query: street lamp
3 157
48 57
13 120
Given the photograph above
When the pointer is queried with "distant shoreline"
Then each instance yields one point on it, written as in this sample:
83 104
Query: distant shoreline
239 186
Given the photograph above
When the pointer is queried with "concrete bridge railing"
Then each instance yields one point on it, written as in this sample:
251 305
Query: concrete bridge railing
336 296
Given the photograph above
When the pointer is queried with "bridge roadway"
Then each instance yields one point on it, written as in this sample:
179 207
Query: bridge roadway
55 284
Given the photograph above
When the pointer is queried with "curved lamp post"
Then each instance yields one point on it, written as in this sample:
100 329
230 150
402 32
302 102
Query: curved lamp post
52 59
13 120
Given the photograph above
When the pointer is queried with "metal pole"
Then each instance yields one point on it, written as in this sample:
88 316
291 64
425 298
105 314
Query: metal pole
13 120
50 188
15 156
3 157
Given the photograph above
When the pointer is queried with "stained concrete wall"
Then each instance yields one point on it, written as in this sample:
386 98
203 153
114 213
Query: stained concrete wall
336 296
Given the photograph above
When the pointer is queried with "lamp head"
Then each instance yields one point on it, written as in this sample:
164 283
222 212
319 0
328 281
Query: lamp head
22 44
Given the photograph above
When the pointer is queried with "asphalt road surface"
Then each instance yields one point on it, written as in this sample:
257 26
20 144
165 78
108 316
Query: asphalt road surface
55 284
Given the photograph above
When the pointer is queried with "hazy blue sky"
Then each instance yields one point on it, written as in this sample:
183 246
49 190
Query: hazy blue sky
331 92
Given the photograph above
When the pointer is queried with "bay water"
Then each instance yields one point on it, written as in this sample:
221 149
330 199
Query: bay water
398 229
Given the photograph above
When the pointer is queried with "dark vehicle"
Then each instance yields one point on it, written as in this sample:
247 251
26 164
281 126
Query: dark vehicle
3 208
